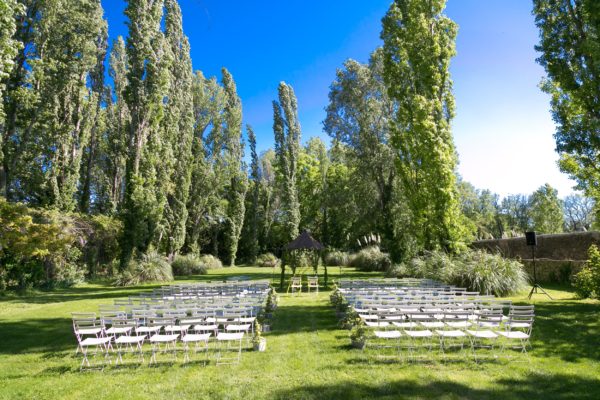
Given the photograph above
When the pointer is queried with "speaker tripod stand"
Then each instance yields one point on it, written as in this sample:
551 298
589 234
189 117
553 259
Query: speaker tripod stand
536 288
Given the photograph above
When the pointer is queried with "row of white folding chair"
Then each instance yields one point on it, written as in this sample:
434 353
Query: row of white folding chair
454 328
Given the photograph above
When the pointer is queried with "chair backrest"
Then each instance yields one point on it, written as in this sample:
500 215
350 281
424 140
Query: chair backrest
296 280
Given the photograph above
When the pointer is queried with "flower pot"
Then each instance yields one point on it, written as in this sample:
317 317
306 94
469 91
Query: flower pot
358 344
261 345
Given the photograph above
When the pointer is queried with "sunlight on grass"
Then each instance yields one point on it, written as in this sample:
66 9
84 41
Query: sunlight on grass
307 355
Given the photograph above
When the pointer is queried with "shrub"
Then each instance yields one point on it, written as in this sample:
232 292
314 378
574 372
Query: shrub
587 281
371 259
211 262
267 260
336 258
152 267
474 269
189 264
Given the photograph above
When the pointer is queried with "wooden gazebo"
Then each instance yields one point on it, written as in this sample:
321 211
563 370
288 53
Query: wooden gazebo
304 242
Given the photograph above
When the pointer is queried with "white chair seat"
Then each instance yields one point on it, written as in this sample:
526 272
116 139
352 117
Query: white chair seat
482 334
203 328
130 339
94 341
118 331
405 325
367 316
222 336
163 338
381 324
519 324
489 324
388 334
453 333
421 333
89 331
148 329
433 324
237 328
177 328
193 337
459 324
246 319
394 318
514 335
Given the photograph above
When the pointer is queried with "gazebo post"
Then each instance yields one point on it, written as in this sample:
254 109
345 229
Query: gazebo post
282 279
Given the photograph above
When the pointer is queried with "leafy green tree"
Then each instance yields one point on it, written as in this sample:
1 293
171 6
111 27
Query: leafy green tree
51 107
358 115
481 209
579 212
178 123
287 148
419 83
570 53
204 203
19 104
112 148
514 215
236 175
148 81
9 46
546 210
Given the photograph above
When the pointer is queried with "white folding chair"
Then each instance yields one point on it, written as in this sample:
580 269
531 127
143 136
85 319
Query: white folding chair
518 328
227 342
296 284
453 334
162 343
484 335
313 283
124 340
85 325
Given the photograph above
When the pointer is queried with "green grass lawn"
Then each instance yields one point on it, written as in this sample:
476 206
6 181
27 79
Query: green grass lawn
307 356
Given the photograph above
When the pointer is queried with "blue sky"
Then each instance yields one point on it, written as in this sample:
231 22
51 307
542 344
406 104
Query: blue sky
502 130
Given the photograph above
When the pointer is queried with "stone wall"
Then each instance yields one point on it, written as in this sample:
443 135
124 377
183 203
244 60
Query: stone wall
557 256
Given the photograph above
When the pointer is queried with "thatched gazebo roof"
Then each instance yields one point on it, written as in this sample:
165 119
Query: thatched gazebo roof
304 242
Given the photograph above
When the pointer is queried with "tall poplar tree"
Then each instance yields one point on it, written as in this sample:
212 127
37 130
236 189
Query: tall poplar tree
286 128
9 47
570 53
148 79
237 177
113 142
253 216
419 41
179 127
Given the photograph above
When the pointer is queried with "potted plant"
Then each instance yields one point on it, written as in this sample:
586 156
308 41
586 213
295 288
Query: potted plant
258 342
358 336
350 320
264 323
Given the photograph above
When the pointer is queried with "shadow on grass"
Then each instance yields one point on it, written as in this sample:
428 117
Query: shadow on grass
77 294
567 329
533 386
50 336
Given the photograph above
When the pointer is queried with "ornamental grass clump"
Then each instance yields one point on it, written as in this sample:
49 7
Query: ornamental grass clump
189 264
267 260
336 258
211 262
476 270
151 267
371 259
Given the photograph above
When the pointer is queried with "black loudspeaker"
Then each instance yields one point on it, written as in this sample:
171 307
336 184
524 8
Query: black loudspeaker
531 238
